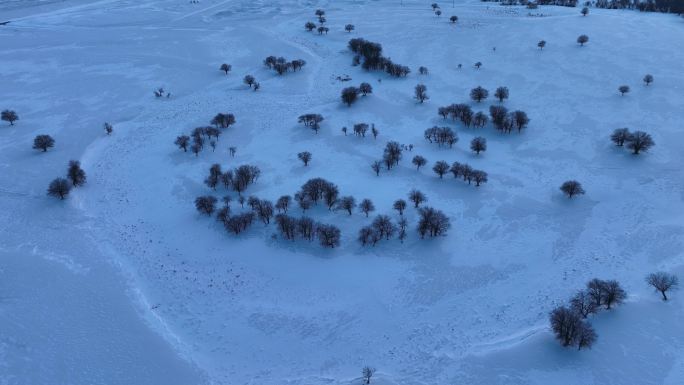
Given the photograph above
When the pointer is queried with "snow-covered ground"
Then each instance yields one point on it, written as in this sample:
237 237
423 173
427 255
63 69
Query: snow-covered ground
124 283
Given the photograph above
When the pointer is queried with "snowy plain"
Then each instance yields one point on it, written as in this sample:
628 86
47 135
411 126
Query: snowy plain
124 283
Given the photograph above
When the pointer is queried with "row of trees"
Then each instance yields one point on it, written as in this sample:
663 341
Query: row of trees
312 121
460 170
237 179
500 117
281 65
373 60
60 187
200 135
636 141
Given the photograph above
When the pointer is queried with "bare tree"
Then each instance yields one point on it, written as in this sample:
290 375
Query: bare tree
572 188
565 324
43 142
648 79
309 26
328 235
366 206
312 121
205 204
639 141
349 95
619 136
249 80
108 128
346 203
304 156
501 94
478 176
585 336
453 19
476 65
400 206
623 90
419 161
349 27
440 168
417 197
582 39
59 188
9 116
76 174
479 94
422 70
365 89
367 372
662 282
585 11
283 203
421 93
613 294
478 144
541 44
432 222
583 304
376 166
225 68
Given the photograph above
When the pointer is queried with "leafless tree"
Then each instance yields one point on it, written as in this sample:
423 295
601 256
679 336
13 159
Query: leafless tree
367 372
305 157
417 197
663 282
639 141
572 188
366 206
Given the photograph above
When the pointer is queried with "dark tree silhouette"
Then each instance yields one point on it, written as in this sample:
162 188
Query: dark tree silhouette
328 235
283 203
422 70
453 19
366 206
432 222
9 116
376 166
480 119
76 174
59 188
43 142
311 120
205 204
304 156
478 176
565 324
477 65
392 154
623 90
586 336
663 282
639 141
583 304
520 119
417 197
585 11
479 94
440 168
365 89
225 68
501 94
421 93
182 142
367 372
349 27
648 79
478 144
108 128
346 203
349 95
309 26
572 188
223 121
400 206
383 226
619 136
438 13
541 44
582 39
419 161
249 80
613 294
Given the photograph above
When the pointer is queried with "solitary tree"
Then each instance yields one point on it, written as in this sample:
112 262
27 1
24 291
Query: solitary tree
582 39
400 206
76 174
349 95
309 26
639 141
349 27
619 136
478 94
419 161
417 197
421 93
365 89
648 79
59 188
565 324
347 204
440 168
572 188
623 90
478 144
366 206
453 19
249 80
478 176
108 128
43 142
226 68
304 156
367 372
376 166
9 116
585 11
541 44
663 282
501 93
182 142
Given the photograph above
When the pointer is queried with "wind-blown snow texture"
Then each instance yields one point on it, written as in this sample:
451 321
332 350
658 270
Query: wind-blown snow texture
124 283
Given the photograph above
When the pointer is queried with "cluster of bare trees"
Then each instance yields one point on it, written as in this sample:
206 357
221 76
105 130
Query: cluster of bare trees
505 121
501 119
320 14
569 323
461 170
382 227
281 65
349 95
238 179
251 82
441 136
636 141
432 222
201 135
373 60
76 177
312 121
464 113
306 228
